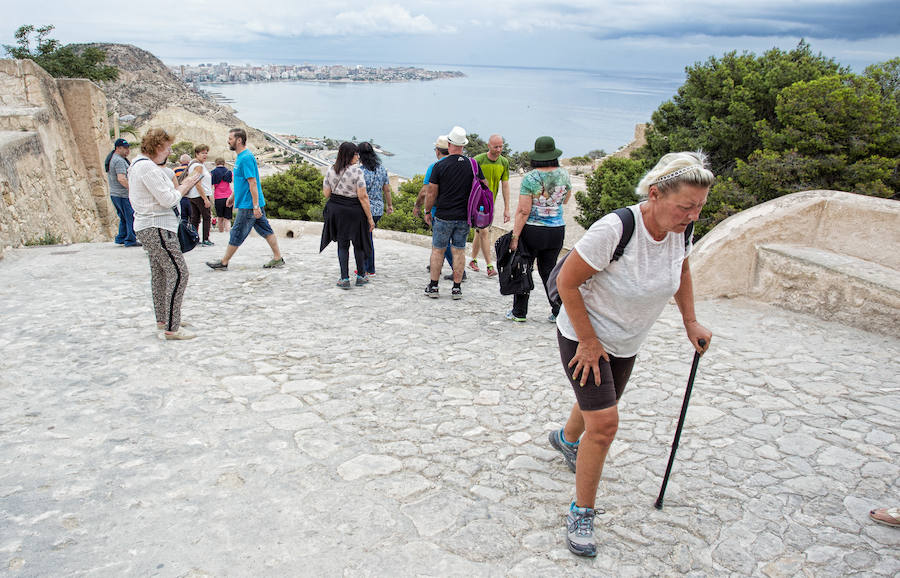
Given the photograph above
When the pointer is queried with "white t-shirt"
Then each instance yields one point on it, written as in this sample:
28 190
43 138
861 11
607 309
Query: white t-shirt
205 181
624 298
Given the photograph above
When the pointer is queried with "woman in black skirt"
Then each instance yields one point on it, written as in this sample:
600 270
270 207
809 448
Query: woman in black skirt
348 216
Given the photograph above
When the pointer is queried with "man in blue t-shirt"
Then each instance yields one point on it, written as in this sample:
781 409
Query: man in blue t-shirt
440 151
248 200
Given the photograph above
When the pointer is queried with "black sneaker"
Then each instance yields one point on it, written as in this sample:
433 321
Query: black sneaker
217 265
343 283
431 291
456 293
450 276
360 281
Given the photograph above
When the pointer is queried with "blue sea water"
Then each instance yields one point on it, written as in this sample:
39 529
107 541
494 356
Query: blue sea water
582 110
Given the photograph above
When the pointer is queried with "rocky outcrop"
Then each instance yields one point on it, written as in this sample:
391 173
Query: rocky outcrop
640 139
46 187
147 89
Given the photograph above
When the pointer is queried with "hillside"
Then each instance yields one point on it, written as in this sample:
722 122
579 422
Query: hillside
147 89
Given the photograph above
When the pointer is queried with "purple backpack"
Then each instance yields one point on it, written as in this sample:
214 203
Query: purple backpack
481 201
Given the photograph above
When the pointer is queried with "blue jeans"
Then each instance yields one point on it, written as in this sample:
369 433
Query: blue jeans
370 262
454 232
244 222
126 221
185 209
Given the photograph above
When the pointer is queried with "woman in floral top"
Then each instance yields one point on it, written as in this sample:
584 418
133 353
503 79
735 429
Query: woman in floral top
379 189
539 218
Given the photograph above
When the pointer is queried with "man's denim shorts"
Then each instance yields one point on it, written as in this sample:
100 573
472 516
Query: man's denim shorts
455 232
244 222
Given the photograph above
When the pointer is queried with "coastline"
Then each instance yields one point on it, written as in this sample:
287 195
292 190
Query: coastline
597 111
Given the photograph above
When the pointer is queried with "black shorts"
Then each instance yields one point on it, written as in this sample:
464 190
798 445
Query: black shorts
222 210
614 375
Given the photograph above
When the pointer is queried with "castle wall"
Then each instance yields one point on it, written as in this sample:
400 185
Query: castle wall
45 186
85 105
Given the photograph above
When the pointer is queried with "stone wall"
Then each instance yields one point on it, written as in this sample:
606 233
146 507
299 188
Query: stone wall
827 253
86 107
45 185
723 263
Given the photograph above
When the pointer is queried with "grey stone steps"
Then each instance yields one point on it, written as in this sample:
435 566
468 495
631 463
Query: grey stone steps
835 286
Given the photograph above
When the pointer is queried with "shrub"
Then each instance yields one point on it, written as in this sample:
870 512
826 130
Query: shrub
609 187
295 193
402 219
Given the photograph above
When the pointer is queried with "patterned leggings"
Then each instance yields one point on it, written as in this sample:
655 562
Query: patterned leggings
168 274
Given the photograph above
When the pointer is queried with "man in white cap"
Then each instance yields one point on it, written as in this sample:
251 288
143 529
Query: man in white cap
448 192
440 151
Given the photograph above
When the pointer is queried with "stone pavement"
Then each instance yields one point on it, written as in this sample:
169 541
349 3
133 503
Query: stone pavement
375 432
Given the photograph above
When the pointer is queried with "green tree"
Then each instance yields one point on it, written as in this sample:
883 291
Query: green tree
887 76
295 193
609 187
778 123
60 61
519 160
403 219
184 147
836 132
476 145
722 99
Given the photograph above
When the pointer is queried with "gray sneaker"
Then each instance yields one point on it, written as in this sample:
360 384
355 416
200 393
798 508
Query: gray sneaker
568 452
580 531
217 265
274 263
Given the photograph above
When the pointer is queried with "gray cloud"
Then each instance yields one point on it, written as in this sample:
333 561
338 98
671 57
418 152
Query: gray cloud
824 20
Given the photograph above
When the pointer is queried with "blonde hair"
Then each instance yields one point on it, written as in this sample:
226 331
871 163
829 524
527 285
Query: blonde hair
674 170
153 140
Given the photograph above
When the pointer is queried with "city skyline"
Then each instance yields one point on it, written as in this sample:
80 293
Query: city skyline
643 35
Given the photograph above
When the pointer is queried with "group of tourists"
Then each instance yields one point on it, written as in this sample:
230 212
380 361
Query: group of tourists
610 295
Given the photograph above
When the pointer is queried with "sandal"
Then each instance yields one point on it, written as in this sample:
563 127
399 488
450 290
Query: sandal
887 516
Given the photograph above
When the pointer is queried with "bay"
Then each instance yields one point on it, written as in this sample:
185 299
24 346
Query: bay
583 110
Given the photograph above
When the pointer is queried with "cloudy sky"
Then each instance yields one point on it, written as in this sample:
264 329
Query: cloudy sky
648 35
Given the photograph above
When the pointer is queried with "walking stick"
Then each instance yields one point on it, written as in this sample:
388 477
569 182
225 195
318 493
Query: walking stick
684 406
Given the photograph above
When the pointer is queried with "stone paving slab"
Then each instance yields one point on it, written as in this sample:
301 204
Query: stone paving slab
375 432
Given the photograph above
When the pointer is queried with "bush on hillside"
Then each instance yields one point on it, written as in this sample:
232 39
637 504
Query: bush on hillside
609 187
184 147
60 61
295 193
402 219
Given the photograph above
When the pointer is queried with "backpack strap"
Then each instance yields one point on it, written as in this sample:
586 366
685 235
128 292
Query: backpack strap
627 217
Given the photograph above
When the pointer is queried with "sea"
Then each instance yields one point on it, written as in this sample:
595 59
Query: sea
583 110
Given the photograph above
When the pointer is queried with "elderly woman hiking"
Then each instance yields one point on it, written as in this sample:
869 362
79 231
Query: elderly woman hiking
608 309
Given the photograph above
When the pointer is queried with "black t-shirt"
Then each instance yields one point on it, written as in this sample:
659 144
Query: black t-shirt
453 177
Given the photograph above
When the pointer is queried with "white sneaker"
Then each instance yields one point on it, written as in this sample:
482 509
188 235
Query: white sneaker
179 335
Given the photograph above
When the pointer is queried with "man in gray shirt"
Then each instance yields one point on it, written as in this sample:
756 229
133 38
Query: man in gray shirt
117 174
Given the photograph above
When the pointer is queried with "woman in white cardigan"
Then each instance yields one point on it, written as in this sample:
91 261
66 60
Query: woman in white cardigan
153 198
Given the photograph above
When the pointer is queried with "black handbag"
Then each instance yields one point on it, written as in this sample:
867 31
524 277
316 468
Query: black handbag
514 267
188 237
